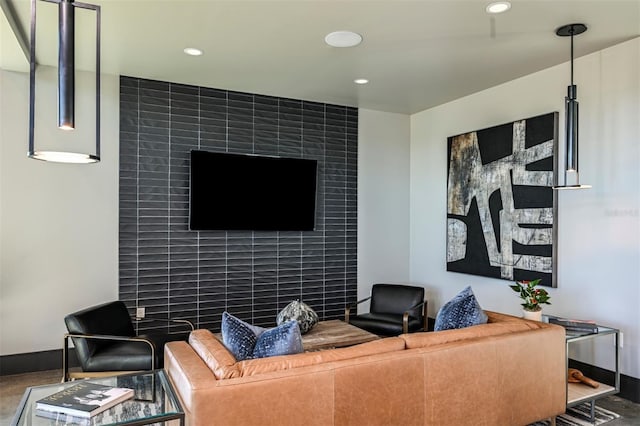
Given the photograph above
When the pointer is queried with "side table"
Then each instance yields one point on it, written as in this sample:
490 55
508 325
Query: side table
154 401
578 393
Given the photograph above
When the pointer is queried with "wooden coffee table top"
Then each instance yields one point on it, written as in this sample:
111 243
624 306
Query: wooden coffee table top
335 334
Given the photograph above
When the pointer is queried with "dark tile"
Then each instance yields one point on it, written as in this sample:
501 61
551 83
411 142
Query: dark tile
252 273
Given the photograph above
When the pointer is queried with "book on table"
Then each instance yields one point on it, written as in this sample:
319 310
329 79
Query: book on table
83 400
575 325
65 419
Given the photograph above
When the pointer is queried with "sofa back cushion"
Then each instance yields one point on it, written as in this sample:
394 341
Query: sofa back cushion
498 324
252 367
224 365
213 352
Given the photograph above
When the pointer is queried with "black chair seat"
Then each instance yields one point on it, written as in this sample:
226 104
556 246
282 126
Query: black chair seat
384 324
121 356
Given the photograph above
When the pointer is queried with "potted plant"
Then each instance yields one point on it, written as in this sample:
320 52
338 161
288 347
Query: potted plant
533 298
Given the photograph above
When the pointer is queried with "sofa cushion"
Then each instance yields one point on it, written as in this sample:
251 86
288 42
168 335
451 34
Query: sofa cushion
461 311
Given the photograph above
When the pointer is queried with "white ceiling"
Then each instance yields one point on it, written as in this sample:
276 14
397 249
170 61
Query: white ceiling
416 54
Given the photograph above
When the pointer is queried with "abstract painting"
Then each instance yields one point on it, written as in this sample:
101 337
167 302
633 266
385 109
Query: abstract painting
501 208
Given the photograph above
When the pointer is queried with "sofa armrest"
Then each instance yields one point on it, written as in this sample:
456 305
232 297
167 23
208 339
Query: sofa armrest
187 371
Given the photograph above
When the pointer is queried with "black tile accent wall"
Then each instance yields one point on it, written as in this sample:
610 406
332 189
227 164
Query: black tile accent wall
175 272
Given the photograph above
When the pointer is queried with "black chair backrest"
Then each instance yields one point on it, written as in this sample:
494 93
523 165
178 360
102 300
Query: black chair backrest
396 299
111 318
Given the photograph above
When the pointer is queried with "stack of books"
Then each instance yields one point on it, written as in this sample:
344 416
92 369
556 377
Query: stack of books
575 325
79 403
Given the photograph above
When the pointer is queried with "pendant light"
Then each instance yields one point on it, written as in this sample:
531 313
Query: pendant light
66 81
571 116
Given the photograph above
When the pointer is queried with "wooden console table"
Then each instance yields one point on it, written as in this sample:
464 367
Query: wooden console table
335 334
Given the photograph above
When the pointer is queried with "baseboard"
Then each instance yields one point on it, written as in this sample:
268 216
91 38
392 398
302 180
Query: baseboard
629 386
35 361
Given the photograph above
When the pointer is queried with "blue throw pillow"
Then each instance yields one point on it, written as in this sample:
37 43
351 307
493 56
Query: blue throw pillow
238 336
461 311
246 341
284 339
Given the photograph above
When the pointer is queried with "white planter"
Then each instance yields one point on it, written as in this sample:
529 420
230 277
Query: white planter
532 315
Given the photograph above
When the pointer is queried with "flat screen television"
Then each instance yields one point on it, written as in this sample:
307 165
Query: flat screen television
251 192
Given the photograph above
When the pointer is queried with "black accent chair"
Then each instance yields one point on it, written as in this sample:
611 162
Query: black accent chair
395 309
106 343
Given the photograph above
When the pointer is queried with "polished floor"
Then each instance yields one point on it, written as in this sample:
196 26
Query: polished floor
12 388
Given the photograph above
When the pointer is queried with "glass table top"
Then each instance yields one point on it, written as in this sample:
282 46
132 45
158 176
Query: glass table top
577 334
154 401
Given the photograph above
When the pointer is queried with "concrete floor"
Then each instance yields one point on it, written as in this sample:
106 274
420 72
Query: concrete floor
13 387
629 412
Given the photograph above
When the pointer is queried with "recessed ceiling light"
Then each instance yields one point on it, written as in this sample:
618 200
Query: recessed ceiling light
498 7
361 81
192 51
343 39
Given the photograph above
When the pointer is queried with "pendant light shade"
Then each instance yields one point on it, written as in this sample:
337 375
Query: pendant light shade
66 65
66 69
571 117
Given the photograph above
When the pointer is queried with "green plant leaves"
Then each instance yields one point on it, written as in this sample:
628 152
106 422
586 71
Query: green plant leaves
533 297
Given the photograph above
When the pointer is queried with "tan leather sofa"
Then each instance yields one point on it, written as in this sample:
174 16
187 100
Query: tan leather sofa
507 372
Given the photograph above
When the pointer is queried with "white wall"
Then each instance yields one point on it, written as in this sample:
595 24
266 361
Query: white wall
599 229
383 199
58 225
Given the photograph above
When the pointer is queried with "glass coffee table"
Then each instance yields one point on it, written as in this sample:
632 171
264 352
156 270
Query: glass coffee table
154 401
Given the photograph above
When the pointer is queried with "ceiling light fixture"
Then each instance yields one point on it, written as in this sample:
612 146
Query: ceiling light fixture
66 81
498 7
361 81
192 51
343 39
571 117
